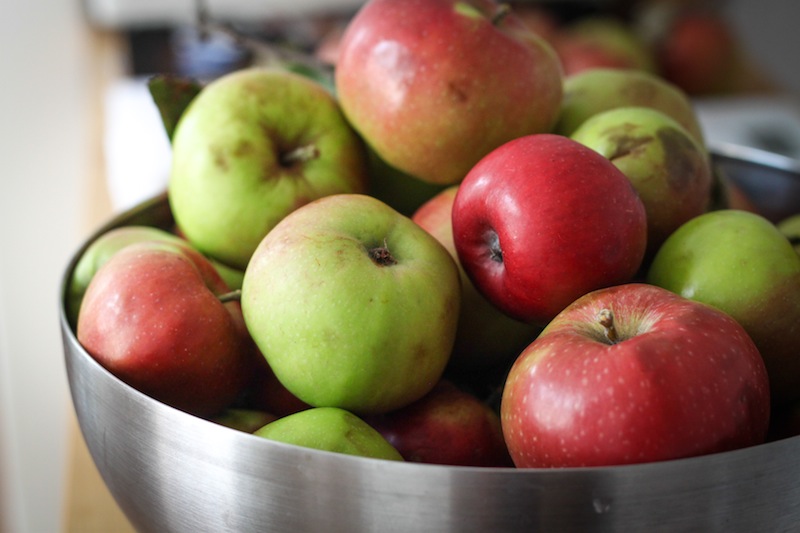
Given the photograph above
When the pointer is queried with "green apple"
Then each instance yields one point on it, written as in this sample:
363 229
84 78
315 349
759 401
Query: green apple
250 148
668 168
352 304
790 227
741 263
330 429
591 91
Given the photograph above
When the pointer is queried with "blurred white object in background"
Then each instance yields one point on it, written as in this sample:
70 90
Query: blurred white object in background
137 150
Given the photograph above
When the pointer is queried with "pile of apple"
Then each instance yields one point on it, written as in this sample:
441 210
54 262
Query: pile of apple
458 256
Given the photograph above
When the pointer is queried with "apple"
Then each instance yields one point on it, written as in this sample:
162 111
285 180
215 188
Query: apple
632 374
152 315
593 91
669 169
433 85
352 304
247 420
544 219
397 189
486 337
699 53
741 263
251 147
599 41
448 426
266 393
790 227
99 251
331 429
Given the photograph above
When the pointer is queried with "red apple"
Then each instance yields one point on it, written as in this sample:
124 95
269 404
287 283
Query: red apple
485 337
153 317
433 85
268 394
448 426
699 53
543 220
633 374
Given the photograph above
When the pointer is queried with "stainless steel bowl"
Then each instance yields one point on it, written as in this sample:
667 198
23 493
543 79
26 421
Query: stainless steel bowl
173 472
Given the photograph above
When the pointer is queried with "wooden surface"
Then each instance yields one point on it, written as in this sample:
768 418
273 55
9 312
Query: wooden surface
89 506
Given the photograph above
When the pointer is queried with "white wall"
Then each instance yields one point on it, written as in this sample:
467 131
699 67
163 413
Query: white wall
44 160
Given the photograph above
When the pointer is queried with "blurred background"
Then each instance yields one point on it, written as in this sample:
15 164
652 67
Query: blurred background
81 140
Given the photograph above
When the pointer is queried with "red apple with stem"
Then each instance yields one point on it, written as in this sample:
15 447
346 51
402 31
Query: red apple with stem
542 220
152 315
632 374
448 426
433 85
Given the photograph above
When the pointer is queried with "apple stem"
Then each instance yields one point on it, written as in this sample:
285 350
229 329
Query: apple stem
606 319
382 256
500 13
301 154
232 296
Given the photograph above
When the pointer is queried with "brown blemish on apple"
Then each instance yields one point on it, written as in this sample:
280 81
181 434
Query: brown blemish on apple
457 91
625 141
220 158
681 156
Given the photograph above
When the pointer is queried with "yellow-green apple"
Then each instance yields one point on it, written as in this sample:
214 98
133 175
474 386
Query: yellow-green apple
152 315
634 374
602 42
742 264
544 219
352 304
669 169
447 426
433 85
330 429
99 251
592 91
486 337
251 147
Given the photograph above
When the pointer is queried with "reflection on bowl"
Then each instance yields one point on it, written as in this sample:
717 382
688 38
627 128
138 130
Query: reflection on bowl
173 472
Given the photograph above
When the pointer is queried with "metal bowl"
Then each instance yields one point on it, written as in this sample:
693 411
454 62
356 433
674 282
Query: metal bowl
173 472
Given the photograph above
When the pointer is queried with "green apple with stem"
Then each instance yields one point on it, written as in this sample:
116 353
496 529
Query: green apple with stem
669 169
330 429
250 148
592 91
741 263
352 304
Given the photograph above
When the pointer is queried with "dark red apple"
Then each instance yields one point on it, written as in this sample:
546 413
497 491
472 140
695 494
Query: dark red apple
543 220
448 426
153 317
632 374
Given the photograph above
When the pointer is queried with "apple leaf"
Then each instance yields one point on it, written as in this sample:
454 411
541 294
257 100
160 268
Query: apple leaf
172 95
